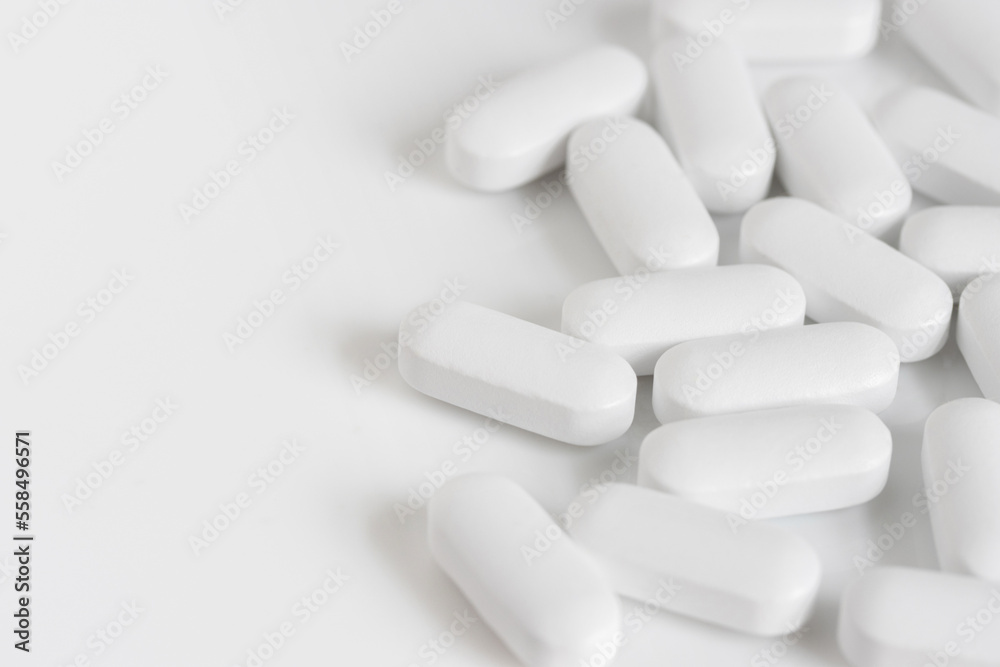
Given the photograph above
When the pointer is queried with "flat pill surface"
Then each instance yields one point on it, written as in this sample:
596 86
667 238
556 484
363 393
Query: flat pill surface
754 578
946 148
641 206
961 464
771 463
904 617
830 154
978 332
520 132
844 363
641 316
551 610
518 372
958 243
959 39
709 112
850 275
775 30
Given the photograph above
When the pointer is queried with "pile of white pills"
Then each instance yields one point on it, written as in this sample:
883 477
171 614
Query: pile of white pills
746 388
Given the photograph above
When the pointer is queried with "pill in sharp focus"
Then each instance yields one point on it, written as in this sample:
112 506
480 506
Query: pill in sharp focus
640 205
958 38
519 373
551 608
961 465
978 332
895 616
830 154
642 315
713 121
520 133
755 578
774 30
850 275
958 243
844 363
947 149
771 463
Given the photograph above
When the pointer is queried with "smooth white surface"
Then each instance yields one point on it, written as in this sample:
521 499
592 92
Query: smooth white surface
641 316
961 463
849 275
771 463
753 578
958 243
639 203
366 448
780 30
897 616
978 324
829 154
958 38
710 115
520 133
841 362
517 372
551 610
946 148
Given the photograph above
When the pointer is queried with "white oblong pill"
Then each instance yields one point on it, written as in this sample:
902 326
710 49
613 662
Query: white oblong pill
961 465
756 578
947 148
850 275
709 112
518 372
551 609
978 332
520 132
774 30
895 616
958 38
845 363
957 243
642 208
771 463
642 316
830 154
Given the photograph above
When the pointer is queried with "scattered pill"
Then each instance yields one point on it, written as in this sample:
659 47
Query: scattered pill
762 417
978 332
894 616
643 315
958 243
961 464
830 154
771 463
850 275
754 578
844 363
774 30
947 149
959 39
552 609
713 121
520 133
641 206
519 373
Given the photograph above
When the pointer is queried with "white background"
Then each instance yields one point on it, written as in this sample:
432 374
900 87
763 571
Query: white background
163 335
